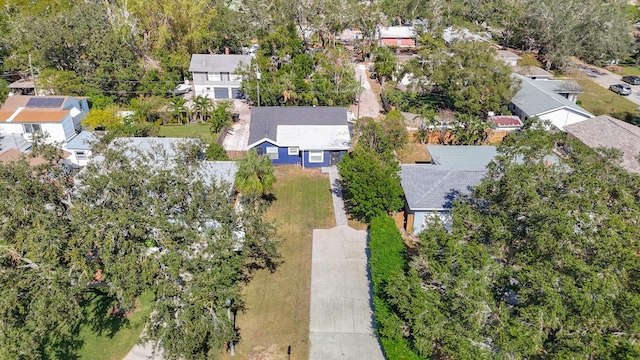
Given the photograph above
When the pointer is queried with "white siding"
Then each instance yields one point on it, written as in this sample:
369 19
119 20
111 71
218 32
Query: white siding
9 128
563 117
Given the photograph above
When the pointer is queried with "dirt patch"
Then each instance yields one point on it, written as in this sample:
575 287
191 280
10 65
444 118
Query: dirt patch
413 153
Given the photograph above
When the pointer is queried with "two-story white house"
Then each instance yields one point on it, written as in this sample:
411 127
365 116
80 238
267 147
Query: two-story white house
57 117
215 76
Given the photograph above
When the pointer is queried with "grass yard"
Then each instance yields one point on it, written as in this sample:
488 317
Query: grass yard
188 131
104 337
277 304
598 100
413 153
629 70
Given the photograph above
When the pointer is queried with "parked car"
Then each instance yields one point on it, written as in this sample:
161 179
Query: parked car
631 79
181 89
621 89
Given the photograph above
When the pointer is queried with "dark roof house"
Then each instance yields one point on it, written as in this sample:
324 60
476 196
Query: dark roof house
606 132
309 136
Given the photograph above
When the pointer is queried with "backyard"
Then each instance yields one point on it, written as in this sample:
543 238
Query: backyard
277 304
188 131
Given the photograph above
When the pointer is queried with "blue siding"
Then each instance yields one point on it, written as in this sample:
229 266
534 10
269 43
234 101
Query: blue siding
285 159
283 155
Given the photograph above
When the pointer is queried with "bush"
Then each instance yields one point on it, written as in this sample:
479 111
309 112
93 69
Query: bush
215 152
387 262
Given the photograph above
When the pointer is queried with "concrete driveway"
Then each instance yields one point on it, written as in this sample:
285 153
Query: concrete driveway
368 105
608 78
238 135
341 325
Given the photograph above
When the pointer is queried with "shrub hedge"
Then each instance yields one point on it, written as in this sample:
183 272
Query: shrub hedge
387 260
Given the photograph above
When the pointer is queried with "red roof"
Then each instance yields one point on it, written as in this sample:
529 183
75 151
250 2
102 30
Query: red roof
507 121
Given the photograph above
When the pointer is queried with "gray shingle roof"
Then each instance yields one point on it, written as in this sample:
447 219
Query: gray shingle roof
462 157
429 187
265 120
82 141
167 149
535 98
605 131
217 63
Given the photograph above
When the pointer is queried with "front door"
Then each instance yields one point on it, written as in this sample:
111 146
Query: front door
334 157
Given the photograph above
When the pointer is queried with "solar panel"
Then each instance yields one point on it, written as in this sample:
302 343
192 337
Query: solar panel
44 102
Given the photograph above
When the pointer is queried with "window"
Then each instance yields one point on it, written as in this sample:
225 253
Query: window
235 77
32 128
81 155
225 76
293 151
272 152
316 156
213 76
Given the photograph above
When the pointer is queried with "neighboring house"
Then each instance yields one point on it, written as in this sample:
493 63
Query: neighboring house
533 72
506 122
22 87
606 132
398 36
451 34
162 153
215 76
545 100
79 148
58 117
309 136
430 191
508 57
466 157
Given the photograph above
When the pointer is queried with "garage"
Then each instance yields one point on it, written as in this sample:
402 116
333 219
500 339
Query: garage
221 93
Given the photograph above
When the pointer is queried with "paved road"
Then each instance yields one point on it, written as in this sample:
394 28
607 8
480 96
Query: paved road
341 324
610 78
369 105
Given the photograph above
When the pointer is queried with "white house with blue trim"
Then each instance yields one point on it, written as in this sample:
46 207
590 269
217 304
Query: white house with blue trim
307 136
80 147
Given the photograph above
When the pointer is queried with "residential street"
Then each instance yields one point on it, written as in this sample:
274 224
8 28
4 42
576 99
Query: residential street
369 105
608 78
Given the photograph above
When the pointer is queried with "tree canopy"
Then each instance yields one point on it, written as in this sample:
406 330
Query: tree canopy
541 261
135 221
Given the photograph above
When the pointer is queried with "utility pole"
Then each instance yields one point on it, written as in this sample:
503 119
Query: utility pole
33 78
258 76
359 94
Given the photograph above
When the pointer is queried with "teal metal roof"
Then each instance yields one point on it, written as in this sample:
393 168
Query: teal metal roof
462 157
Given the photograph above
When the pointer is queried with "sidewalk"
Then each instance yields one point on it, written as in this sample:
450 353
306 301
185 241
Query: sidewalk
336 194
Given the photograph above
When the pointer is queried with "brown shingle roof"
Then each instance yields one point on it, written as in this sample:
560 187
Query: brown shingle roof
29 116
12 155
605 131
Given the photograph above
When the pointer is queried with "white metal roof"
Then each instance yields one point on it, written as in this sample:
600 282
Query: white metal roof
314 137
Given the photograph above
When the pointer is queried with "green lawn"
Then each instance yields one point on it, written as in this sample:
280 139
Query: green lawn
107 338
630 70
599 100
277 304
188 131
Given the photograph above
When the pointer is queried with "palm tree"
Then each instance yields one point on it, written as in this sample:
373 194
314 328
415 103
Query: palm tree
255 175
177 107
202 105
429 121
